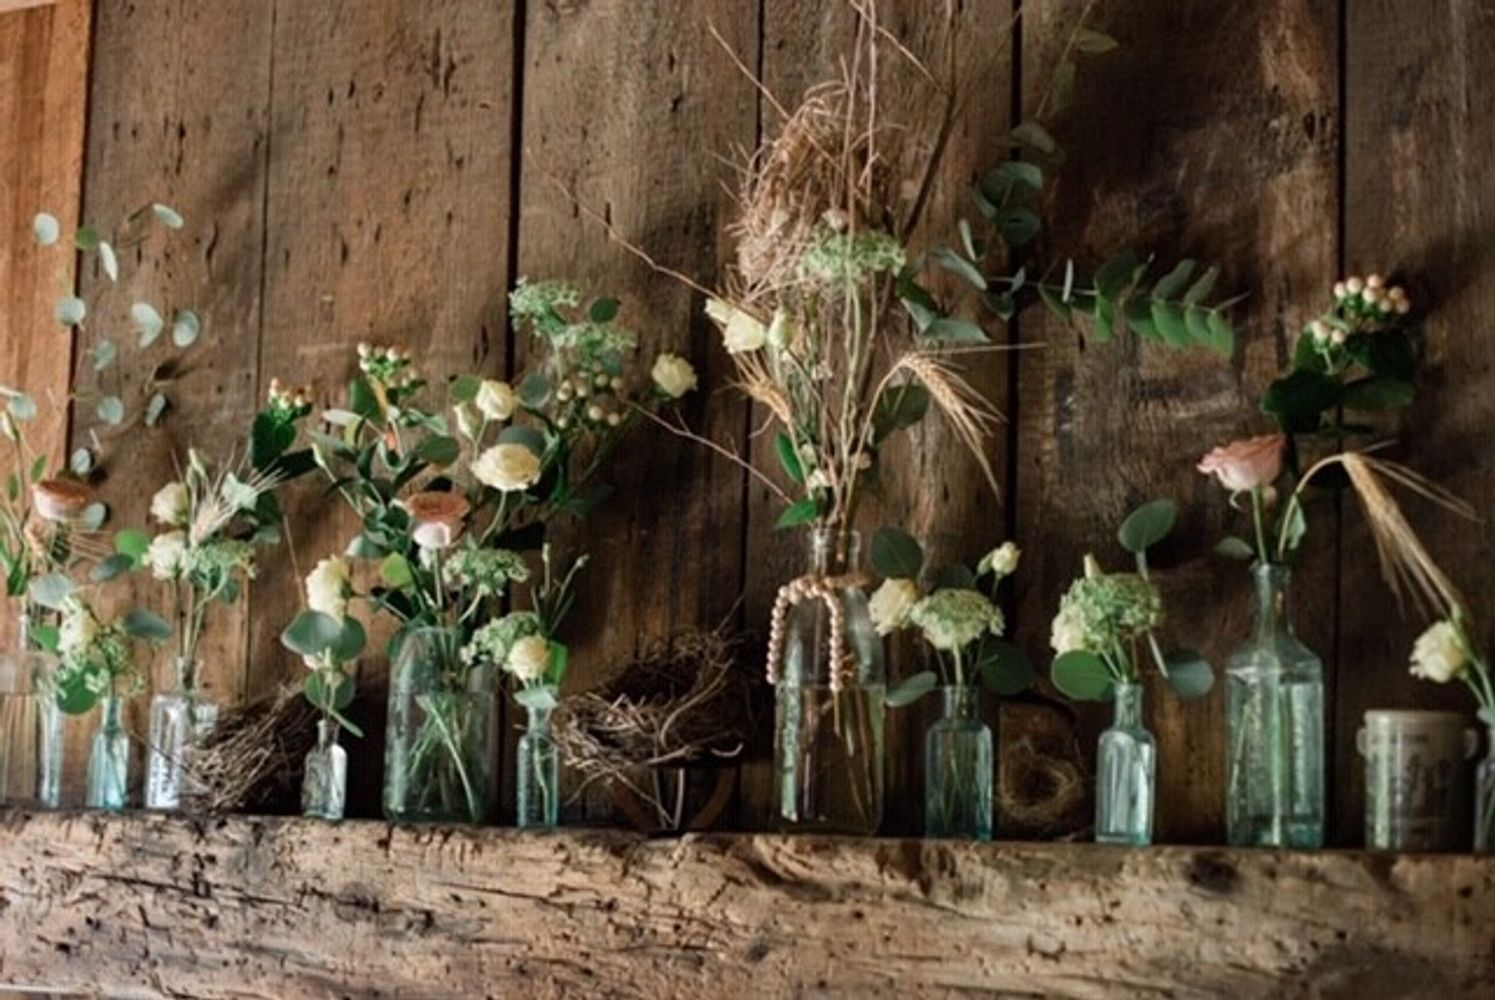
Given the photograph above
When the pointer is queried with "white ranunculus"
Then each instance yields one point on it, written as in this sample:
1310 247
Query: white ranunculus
741 333
1067 633
78 629
496 400
507 467
529 658
890 604
171 505
674 375
1002 560
327 587
1438 655
167 554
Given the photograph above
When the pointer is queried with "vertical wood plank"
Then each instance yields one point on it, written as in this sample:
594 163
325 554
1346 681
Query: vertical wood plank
387 221
1420 203
1202 103
178 114
666 547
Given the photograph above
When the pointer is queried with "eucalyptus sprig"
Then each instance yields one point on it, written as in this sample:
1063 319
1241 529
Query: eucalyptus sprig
96 658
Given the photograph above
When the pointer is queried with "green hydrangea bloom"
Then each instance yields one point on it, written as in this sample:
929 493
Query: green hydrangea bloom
539 302
491 642
1099 611
839 257
490 571
953 618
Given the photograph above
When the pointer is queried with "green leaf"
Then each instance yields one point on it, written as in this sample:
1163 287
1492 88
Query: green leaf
38 467
896 554
1147 525
1232 547
789 458
87 238
155 408
968 243
1292 526
604 310
1389 353
960 267
1034 136
1082 676
1299 398
1200 290
104 353
1093 42
542 697
1169 320
1116 274
1139 318
1011 179
329 690
312 634
1379 393
1018 225
1168 285
71 311
94 516
186 328
918 301
798 513
1103 316
148 322
350 641
109 261
464 388
950 330
953 577
1221 338
443 450
108 568
899 407
1055 304
560 659
534 390
74 694
45 228
51 591
168 216
148 625
21 406
395 571
46 637
111 410
81 462
1189 674
1004 666
911 689
527 436
132 542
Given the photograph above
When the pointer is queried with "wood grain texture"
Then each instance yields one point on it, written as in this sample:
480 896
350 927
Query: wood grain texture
1418 207
258 908
1159 162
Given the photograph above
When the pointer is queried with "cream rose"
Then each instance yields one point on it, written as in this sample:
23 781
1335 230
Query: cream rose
1247 464
78 630
327 587
1002 560
1438 655
496 400
1067 633
741 333
166 555
529 658
890 604
674 375
171 505
507 467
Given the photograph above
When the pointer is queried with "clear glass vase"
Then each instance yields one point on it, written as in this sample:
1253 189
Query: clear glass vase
31 728
109 759
1274 718
1484 799
180 722
828 743
441 737
1126 774
324 779
958 765
539 772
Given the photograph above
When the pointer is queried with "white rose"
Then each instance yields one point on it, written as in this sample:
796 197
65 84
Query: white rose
1066 634
674 375
1438 655
166 555
171 505
327 587
1002 560
79 628
507 467
890 604
741 333
529 658
496 400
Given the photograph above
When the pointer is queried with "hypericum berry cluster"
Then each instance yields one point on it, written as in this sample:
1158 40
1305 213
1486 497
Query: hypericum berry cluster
289 404
590 397
1370 297
389 366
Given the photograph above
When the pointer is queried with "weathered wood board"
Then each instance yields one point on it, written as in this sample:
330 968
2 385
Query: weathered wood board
243 907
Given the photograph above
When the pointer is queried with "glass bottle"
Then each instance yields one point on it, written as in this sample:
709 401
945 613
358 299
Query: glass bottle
1274 717
828 744
324 780
1126 774
441 736
539 772
31 729
109 759
958 765
1484 799
180 721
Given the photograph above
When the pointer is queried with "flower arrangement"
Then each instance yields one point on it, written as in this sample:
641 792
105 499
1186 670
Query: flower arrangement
329 639
97 657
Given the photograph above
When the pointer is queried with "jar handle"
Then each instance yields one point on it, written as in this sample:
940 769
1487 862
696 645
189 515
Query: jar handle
1360 740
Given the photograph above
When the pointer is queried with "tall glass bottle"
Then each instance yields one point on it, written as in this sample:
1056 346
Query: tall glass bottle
1484 799
958 765
31 728
1126 774
324 778
180 721
109 759
539 772
1274 705
828 744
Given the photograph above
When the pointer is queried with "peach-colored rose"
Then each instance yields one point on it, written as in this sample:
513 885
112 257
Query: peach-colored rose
438 518
61 500
1247 464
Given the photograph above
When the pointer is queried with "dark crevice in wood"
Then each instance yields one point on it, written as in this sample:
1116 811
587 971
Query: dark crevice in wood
1332 722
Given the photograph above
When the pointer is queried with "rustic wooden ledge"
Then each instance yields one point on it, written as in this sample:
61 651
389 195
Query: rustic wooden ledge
149 905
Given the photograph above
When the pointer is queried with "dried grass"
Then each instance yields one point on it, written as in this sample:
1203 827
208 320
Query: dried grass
253 757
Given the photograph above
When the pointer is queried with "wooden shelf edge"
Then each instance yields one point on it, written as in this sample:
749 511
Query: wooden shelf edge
285 907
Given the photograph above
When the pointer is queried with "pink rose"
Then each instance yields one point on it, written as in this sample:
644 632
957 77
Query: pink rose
1246 465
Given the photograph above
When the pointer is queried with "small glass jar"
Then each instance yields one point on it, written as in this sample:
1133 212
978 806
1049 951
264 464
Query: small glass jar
31 725
324 780
180 722
109 759
539 772
1484 799
1416 779
958 766
1126 774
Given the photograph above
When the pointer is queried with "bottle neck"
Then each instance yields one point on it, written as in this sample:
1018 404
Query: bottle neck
1273 599
834 552
111 710
327 730
186 675
1128 701
539 720
961 702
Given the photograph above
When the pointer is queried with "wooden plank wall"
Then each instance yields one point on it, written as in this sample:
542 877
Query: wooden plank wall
383 170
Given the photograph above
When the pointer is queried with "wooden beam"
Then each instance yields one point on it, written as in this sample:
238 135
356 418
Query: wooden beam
289 908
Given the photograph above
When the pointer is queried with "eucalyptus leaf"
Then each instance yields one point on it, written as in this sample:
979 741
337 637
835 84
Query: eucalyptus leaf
94 516
312 633
71 311
45 228
896 554
148 322
1093 42
22 406
440 450
798 513
168 216
1034 136
148 625
51 591
1147 525
329 690
1232 547
104 354
395 571
155 408
951 330
464 388
527 436
111 410
911 689
534 390
1004 666
1189 674
108 568
186 328
133 542
109 261
1082 676
81 462
604 310
899 407
75 695
87 238
960 267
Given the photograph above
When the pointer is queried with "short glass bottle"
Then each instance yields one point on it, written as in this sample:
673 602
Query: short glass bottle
1274 720
539 772
1126 774
1484 799
109 759
324 780
180 722
31 724
958 765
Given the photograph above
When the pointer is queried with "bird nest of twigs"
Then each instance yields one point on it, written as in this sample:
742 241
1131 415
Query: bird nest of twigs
252 758
681 705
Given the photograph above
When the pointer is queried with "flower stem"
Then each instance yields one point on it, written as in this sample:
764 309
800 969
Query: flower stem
1261 534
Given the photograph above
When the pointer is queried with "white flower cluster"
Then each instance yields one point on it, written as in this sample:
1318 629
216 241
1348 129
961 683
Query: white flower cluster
328 587
390 366
1439 654
172 505
673 375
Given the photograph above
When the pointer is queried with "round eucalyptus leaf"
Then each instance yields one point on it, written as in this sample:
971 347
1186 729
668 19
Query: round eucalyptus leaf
104 353
896 554
911 689
148 322
1082 676
186 328
168 216
438 450
312 633
74 695
350 641
107 569
534 390
527 436
1004 666
111 410
1189 673
329 690
1147 525
542 697
81 462
71 311
51 591
22 407
1232 547
143 624
46 229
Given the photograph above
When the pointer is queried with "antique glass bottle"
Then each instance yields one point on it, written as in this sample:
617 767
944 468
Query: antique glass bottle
1126 774
109 759
828 744
539 772
1274 716
31 729
1484 799
958 766
441 735
324 777
180 721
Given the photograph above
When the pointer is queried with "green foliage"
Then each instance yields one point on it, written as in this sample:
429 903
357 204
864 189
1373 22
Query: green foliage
896 554
1082 676
911 689
1148 525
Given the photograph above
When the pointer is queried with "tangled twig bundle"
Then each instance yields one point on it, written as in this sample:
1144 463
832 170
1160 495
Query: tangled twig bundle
682 703
254 754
